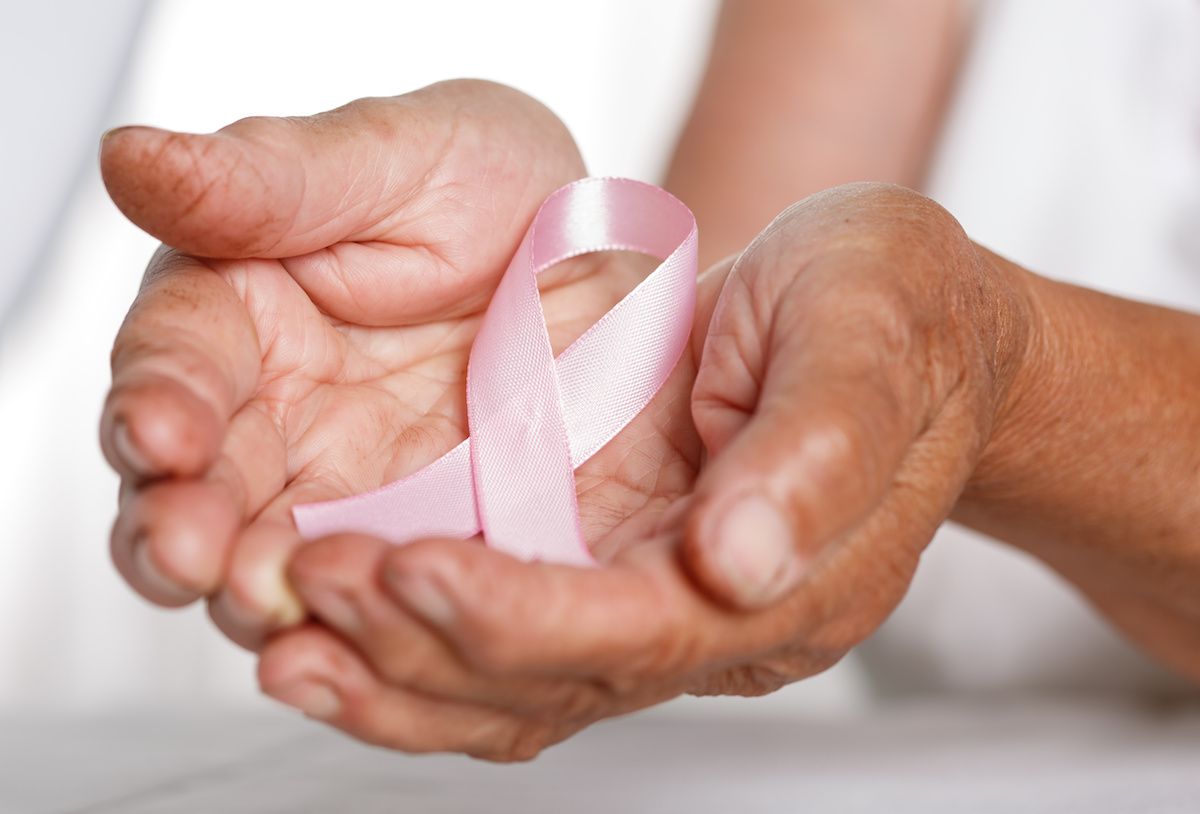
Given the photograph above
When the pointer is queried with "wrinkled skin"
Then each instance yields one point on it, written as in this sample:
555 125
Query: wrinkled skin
845 374
244 386
825 381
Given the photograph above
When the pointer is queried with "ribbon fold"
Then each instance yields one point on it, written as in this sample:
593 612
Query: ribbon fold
533 419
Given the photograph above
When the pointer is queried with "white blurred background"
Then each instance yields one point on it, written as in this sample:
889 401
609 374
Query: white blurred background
1073 145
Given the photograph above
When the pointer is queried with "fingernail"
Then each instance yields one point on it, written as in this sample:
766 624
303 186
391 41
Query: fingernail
422 596
265 603
268 588
127 451
112 131
315 699
334 608
153 578
753 549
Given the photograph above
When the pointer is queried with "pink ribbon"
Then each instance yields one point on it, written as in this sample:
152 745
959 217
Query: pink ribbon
534 419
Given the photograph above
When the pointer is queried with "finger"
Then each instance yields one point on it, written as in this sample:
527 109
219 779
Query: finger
347 195
169 537
185 358
858 579
310 669
628 626
709 285
184 361
636 630
263 187
338 581
172 536
806 410
255 598
313 190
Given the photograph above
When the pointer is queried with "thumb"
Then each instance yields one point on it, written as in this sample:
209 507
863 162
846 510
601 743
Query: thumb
261 187
805 427
284 187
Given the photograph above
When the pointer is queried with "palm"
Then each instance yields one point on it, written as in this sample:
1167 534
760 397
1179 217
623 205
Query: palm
358 406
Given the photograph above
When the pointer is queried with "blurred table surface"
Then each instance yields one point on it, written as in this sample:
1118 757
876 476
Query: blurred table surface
986 755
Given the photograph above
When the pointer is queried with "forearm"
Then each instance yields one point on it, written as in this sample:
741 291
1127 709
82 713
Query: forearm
1094 464
801 95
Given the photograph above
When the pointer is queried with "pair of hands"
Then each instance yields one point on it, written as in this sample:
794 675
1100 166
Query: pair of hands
306 337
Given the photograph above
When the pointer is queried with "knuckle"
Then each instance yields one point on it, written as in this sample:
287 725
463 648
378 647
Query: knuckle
363 115
575 702
255 125
482 639
490 655
669 645
420 670
524 741
892 211
475 85
880 194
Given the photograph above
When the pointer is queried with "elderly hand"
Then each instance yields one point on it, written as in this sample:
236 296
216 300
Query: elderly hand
844 387
304 332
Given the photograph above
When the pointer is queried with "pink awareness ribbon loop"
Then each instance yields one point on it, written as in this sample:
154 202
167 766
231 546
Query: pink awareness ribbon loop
534 419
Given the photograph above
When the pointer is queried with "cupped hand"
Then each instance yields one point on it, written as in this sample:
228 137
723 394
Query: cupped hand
304 331
851 373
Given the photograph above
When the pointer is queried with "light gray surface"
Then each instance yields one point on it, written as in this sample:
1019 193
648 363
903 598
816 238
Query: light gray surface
1095 756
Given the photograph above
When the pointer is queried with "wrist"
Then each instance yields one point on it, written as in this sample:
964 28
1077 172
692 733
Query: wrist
1023 377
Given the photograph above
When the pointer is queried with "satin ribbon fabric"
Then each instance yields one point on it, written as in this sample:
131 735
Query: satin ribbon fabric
534 419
